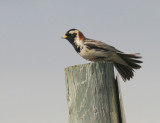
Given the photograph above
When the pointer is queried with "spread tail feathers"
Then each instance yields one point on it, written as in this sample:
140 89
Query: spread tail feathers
126 71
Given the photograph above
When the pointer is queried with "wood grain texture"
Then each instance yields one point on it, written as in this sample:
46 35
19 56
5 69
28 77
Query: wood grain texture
120 102
92 93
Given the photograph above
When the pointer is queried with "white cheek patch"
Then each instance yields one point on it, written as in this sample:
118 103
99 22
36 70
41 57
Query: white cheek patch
78 42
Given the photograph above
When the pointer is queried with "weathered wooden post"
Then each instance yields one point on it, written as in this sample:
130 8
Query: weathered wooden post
93 94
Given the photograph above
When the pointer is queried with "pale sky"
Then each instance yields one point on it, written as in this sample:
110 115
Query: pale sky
33 55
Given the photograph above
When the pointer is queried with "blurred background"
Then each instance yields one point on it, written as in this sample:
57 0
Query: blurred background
33 55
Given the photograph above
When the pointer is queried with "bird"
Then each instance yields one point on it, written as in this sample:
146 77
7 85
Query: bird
97 51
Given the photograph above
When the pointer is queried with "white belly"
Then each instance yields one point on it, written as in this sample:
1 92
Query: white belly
92 54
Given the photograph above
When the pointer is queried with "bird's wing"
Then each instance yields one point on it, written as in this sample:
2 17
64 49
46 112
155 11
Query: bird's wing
93 44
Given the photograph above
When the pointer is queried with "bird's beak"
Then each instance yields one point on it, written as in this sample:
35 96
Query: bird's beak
64 37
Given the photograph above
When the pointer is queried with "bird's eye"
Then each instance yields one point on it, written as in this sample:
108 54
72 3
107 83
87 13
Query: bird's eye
67 34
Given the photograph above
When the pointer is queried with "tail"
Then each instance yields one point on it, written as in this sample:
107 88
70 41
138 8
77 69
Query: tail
127 71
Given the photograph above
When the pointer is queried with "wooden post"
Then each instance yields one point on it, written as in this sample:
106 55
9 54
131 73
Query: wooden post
93 94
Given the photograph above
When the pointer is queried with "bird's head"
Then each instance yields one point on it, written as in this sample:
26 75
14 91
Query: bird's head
73 34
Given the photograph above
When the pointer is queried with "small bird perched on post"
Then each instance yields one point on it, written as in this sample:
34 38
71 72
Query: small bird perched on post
94 50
